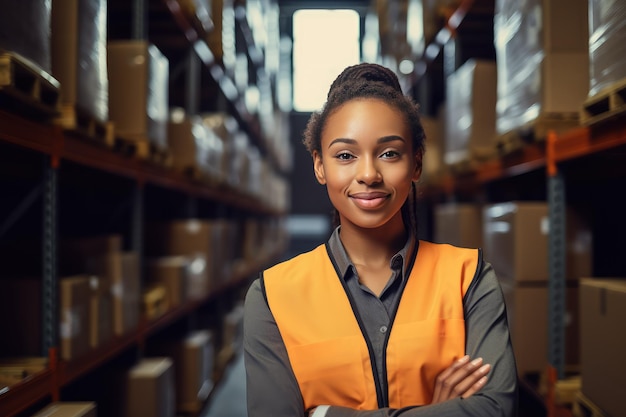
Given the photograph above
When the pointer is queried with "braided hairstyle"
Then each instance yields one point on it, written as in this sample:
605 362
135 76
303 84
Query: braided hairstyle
370 81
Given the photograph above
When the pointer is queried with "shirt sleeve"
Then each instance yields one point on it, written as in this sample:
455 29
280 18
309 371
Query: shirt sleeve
271 386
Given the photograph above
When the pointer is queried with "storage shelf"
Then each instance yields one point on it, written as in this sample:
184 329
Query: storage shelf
47 383
568 146
587 141
50 140
26 393
226 84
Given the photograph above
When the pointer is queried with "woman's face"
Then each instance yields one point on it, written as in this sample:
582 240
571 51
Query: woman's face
367 162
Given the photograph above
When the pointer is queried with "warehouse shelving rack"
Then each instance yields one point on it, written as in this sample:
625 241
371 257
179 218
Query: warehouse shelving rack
558 156
58 148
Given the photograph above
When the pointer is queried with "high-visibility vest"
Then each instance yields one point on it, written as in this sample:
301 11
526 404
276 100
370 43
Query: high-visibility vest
327 345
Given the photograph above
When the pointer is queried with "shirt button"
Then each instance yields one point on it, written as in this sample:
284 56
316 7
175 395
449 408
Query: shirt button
383 329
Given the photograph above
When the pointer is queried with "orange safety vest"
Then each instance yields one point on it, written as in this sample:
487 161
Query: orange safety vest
328 349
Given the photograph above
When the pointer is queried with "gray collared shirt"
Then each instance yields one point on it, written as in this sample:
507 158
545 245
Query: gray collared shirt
272 390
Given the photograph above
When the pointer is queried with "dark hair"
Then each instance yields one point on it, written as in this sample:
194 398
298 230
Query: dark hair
369 81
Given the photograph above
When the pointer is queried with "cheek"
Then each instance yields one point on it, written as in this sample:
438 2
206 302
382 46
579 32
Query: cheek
337 177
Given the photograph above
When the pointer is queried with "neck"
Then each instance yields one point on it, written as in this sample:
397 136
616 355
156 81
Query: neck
373 246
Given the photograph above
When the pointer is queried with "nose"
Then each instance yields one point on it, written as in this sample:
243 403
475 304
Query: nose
368 172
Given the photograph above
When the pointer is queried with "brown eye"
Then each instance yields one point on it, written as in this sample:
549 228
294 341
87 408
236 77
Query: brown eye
390 154
344 156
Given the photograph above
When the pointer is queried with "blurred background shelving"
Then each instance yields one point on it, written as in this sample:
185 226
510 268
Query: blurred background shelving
151 166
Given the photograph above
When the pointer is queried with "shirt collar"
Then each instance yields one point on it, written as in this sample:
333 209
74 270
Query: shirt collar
344 264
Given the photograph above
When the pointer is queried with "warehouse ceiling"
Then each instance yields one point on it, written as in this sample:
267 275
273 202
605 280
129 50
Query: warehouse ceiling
474 39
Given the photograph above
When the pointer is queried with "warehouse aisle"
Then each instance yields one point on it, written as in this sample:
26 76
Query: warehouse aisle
229 399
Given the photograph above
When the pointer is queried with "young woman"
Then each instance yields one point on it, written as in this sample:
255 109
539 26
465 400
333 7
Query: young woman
376 322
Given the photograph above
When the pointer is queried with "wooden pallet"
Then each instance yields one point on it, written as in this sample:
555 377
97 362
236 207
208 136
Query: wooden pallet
144 149
26 88
198 174
536 131
471 162
607 104
584 407
86 126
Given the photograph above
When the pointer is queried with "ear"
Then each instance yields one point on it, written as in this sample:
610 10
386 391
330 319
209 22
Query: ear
318 167
418 167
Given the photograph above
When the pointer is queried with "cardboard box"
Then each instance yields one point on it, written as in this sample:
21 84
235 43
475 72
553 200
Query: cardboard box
527 311
603 342
195 378
138 91
150 389
100 310
78 49
194 146
193 358
184 277
201 240
74 308
67 409
459 224
122 271
181 237
432 162
186 139
514 233
470 131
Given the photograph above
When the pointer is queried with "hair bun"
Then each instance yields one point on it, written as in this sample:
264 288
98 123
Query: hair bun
369 72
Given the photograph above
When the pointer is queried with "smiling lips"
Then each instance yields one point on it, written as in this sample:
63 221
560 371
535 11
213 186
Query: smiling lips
369 200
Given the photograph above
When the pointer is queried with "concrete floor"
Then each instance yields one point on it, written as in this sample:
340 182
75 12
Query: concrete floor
229 399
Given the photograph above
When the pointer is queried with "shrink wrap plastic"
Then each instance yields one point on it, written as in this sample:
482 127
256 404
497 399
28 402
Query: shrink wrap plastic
79 55
93 80
158 96
607 43
543 60
25 30
138 91
520 54
470 112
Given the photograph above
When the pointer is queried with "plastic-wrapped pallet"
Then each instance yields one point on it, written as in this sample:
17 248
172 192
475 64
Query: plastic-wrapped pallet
25 30
79 60
471 112
138 91
607 43
543 59
193 146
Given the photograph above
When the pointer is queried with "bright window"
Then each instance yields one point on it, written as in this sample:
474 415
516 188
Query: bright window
325 42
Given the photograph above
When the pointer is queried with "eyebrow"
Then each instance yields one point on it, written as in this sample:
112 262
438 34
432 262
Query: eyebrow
383 139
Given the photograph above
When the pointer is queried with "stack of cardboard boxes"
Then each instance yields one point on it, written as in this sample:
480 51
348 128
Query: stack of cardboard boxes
115 282
542 52
514 239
